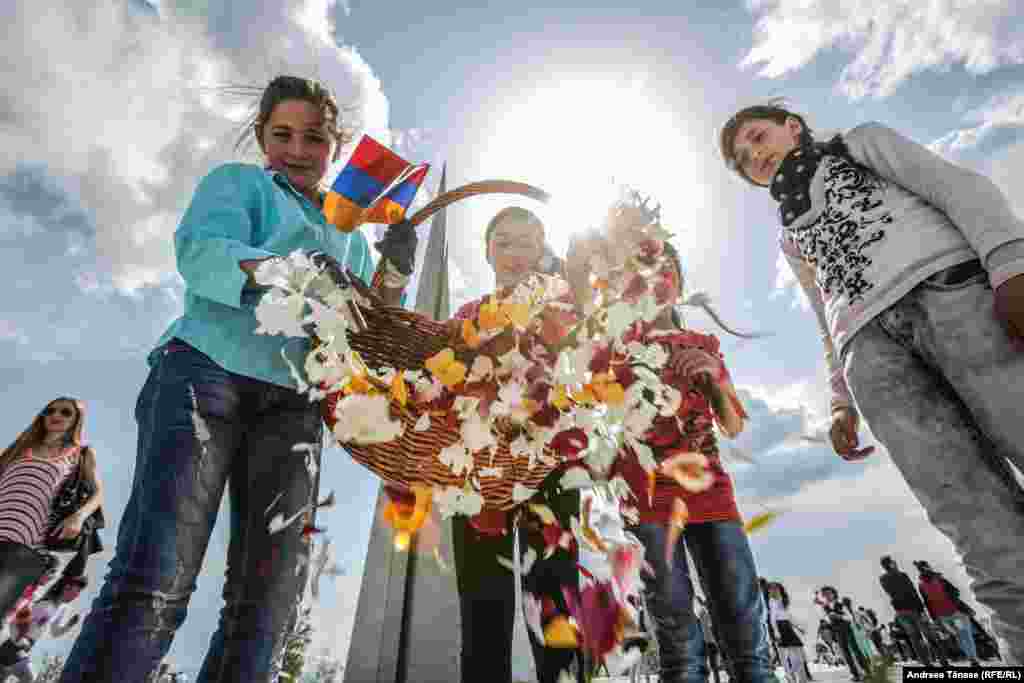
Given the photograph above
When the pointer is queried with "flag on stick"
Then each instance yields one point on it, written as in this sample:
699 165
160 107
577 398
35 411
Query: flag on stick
376 186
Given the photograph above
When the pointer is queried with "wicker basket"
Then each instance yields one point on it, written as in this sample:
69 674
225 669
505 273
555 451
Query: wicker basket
404 340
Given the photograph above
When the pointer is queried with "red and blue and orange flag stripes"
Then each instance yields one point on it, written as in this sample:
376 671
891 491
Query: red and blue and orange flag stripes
376 186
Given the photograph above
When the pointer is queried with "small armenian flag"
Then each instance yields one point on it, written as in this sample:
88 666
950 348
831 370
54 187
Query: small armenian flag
376 186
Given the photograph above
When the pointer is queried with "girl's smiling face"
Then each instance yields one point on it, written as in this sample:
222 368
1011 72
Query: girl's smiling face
514 250
762 144
297 141
60 416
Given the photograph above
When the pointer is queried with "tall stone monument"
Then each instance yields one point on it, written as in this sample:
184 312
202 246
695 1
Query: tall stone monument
407 620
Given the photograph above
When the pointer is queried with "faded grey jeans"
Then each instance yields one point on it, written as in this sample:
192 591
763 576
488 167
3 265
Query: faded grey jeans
941 386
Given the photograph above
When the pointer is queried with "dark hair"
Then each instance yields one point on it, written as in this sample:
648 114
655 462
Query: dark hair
283 88
770 111
783 593
887 562
516 213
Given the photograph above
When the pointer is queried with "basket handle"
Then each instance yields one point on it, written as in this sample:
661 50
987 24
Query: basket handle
478 188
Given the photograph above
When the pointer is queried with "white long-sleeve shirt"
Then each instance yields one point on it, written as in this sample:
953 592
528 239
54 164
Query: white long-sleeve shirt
879 227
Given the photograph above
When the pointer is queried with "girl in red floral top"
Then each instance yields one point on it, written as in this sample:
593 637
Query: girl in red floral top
702 507
516 248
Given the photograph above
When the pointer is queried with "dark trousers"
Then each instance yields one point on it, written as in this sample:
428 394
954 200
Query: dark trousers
913 625
20 567
487 598
202 430
854 658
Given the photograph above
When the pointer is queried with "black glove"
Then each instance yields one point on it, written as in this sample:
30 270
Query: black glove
399 246
331 266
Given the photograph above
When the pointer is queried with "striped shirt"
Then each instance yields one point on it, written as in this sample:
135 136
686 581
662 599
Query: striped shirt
27 489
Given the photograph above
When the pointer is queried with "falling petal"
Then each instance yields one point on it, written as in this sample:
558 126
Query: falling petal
278 523
676 524
544 512
522 493
758 522
559 633
440 561
576 478
273 503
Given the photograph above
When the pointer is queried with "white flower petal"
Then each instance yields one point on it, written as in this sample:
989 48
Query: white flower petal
365 419
456 458
423 423
522 493
576 478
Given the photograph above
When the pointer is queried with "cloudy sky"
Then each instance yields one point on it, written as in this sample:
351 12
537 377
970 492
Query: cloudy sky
111 112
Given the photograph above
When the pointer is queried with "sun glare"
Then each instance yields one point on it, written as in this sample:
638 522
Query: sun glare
581 140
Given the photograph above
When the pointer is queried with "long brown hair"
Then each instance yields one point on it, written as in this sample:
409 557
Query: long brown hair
36 432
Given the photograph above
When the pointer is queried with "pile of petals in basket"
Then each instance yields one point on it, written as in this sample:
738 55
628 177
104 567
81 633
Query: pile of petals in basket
524 370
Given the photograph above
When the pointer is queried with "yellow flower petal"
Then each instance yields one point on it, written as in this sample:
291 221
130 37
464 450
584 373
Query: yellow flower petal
584 395
518 313
544 512
453 374
758 522
358 384
470 334
560 397
561 634
612 393
439 361
490 317
399 392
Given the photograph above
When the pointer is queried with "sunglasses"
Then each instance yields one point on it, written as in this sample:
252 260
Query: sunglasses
64 412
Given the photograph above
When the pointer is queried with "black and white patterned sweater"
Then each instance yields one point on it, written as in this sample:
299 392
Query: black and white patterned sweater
870 215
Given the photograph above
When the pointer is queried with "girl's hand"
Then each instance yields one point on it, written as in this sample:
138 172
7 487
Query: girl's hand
69 528
844 435
1010 308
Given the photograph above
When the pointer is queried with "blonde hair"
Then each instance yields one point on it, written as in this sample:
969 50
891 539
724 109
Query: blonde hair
34 434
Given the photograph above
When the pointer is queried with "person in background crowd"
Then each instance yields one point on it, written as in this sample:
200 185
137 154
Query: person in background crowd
841 622
33 470
908 607
942 600
791 647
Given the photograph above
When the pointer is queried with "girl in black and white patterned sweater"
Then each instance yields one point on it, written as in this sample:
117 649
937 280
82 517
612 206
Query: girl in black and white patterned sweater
914 267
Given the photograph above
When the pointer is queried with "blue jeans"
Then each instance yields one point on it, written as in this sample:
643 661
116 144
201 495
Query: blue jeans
960 624
723 558
199 427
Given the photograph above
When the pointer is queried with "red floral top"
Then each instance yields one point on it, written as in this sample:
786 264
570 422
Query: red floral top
690 429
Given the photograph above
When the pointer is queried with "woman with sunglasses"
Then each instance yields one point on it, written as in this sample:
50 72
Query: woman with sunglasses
32 471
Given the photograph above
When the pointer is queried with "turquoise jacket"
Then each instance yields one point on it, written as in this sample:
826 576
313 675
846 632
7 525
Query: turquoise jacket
241 212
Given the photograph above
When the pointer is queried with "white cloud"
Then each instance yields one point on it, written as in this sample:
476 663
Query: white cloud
890 39
120 107
10 331
1005 110
786 283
